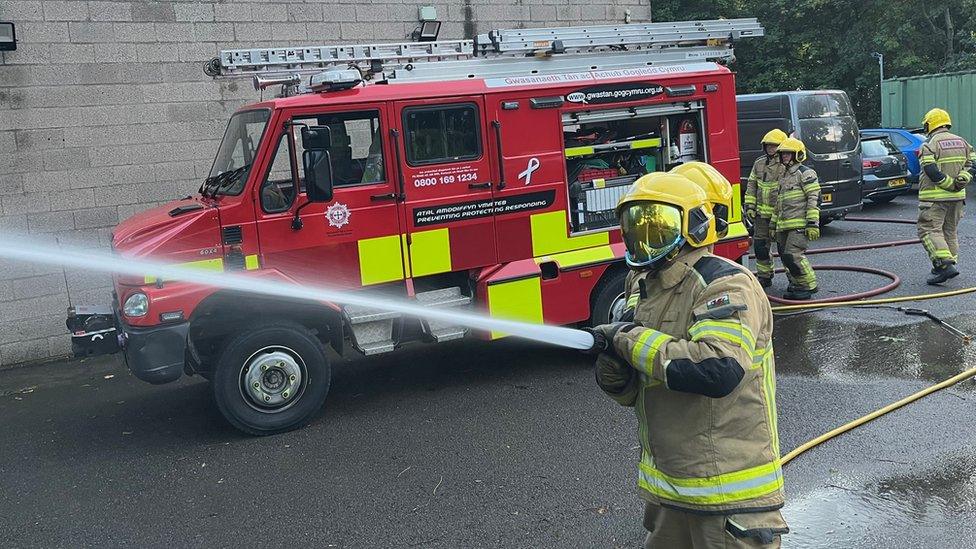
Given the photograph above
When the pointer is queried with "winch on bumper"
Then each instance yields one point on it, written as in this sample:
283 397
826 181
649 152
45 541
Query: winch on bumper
155 354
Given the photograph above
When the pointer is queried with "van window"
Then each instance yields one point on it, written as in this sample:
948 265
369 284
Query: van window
822 105
829 135
751 132
441 134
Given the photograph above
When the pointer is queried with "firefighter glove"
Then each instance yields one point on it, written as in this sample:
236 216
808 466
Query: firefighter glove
604 333
751 214
963 179
813 232
613 375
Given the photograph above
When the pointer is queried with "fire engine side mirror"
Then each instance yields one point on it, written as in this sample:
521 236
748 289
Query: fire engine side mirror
316 138
318 175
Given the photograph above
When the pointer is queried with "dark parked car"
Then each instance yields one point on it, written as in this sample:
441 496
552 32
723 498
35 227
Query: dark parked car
885 169
909 142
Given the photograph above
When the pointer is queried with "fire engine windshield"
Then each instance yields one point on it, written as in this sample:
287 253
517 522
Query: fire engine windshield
236 152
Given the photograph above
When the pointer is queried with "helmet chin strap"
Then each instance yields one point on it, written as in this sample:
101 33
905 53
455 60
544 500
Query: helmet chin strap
662 260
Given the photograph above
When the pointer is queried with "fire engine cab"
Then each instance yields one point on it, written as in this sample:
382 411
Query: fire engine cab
479 174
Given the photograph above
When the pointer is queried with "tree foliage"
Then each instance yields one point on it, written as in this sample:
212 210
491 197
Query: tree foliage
827 44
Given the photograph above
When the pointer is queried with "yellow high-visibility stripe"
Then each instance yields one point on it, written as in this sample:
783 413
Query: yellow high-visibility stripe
736 231
380 260
580 257
516 300
736 213
216 265
716 490
646 143
550 235
578 151
645 350
430 252
729 330
940 194
251 262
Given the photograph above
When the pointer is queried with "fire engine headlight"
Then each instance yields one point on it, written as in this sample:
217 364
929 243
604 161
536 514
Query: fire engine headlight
136 305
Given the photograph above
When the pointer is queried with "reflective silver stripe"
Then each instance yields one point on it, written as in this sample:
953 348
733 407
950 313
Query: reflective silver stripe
725 488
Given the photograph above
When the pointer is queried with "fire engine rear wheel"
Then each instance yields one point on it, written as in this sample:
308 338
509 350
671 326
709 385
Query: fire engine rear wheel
272 378
608 301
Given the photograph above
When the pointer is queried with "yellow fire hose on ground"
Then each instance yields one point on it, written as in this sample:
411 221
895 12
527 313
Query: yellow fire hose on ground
789 456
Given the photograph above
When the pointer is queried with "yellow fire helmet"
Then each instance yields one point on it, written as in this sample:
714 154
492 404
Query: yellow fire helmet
717 189
935 119
774 136
658 214
794 146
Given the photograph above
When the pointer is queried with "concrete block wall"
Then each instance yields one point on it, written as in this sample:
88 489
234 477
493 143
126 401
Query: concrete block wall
105 111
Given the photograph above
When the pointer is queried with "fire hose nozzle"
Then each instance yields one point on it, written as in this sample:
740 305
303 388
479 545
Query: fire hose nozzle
600 342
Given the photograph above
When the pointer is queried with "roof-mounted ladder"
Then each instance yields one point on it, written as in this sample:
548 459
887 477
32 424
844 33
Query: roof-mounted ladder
500 53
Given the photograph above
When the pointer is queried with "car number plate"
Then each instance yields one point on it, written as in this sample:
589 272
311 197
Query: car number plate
827 197
897 183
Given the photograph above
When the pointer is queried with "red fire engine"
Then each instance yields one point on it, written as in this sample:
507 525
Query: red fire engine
457 173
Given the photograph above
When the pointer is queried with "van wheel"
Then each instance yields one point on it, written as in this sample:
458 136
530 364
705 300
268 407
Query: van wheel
824 221
272 378
609 299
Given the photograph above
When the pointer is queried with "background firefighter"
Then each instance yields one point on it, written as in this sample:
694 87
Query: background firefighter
697 365
947 167
761 191
796 218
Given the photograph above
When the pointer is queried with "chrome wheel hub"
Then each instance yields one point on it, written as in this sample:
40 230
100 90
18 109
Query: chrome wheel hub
272 378
617 308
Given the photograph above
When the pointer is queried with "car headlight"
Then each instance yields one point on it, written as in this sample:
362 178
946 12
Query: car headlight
136 305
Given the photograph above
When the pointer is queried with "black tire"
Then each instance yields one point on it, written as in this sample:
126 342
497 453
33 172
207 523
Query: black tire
826 221
608 290
883 199
239 404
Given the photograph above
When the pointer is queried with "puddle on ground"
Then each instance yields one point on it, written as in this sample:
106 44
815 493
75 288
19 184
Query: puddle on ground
896 507
815 345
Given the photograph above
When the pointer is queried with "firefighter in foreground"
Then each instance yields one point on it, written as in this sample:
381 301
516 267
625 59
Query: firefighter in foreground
947 167
697 364
760 201
796 218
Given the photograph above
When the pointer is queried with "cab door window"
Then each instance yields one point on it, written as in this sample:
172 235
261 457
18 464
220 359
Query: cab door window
356 150
445 133
278 190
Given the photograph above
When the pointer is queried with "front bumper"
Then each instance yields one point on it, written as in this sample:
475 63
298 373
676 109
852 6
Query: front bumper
156 354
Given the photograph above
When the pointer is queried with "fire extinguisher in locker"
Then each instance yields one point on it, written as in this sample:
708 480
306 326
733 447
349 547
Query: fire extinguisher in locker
687 141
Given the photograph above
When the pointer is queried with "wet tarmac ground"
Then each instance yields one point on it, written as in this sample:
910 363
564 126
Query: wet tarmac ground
508 444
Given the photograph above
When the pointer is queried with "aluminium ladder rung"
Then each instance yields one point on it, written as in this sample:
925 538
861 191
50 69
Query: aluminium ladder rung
500 67
258 59
528 40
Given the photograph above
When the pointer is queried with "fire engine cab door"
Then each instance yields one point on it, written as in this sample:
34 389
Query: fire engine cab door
446 176
351 241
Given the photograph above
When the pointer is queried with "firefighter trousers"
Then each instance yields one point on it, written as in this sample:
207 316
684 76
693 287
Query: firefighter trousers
938 224
791 245
673 529
761 237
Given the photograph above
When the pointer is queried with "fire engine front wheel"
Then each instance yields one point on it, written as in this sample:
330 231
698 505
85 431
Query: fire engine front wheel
608 301
272 378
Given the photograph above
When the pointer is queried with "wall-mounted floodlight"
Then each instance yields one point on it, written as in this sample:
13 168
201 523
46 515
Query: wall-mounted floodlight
8 36
429 31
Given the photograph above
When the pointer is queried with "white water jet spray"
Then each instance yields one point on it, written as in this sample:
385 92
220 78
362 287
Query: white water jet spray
110 263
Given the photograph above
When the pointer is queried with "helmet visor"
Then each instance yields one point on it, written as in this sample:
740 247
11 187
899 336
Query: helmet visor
650 230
